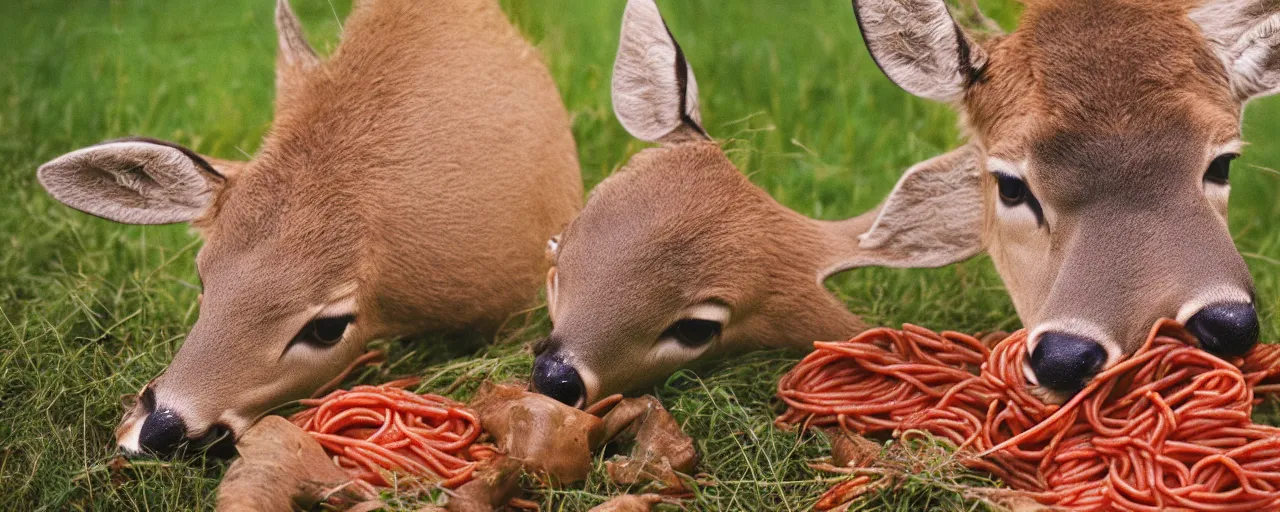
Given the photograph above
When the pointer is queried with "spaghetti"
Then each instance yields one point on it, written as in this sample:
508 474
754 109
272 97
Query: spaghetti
1169 427
374 431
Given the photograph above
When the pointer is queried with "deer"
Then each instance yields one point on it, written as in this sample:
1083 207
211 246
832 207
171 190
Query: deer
1105 132
678 258
407 186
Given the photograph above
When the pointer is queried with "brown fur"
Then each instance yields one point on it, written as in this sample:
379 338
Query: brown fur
427 161
680 225
1113 104
1103 117
679 259
1063 71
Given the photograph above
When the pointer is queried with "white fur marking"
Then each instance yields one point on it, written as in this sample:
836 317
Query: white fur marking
343 303
1002 166
553 288
1075 327
128 441
711 311
590 382
1216 295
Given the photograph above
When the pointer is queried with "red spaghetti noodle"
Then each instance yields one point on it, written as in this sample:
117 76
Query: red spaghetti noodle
373 431
1167 428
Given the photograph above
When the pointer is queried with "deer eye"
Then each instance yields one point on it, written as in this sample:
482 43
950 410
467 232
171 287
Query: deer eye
1014 193
1220 170
325 331
693 332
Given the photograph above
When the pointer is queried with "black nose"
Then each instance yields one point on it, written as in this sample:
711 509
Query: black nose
553 377
1229 329
1065 363
162 432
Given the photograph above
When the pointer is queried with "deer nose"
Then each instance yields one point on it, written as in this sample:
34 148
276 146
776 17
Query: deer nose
1065 362
1227 329
162 432
554 377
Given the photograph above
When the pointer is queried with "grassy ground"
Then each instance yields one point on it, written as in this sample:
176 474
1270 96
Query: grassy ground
90 310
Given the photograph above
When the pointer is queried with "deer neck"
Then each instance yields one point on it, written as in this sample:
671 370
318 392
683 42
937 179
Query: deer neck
809 249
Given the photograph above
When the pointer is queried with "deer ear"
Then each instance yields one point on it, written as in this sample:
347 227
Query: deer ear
135 181
294 55
1246 36
932 218
919 46
654 93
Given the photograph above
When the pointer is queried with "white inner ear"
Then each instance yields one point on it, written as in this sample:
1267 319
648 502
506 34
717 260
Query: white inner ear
646 88
1246 38
917 46
1256 70
293 47
132 182
933 216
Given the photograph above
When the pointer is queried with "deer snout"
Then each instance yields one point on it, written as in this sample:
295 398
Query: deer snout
556 378
1226 329
162 431
164 434
1064 363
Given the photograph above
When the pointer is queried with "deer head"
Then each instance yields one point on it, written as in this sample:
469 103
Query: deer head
678 257
1106 131
408 185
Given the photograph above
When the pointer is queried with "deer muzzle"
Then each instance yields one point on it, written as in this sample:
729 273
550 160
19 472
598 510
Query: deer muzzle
1227 329
163 432
556 378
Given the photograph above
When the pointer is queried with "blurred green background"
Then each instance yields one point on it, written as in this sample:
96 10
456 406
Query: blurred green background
91 310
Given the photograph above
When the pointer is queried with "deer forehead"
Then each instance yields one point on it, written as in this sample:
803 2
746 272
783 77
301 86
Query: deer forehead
274 277
678 221
664 194
274 231
1144 169
288 204
1101 66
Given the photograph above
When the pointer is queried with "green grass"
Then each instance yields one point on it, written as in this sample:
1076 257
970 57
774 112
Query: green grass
91 310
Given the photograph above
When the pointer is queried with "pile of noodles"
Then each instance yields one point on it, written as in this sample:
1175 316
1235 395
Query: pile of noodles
1168 428
385 433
